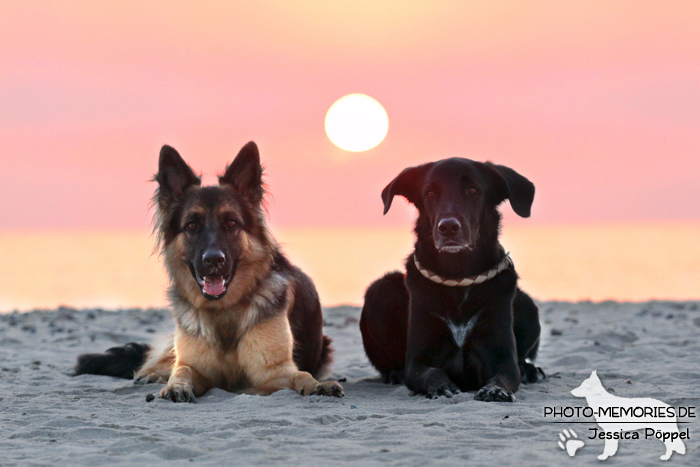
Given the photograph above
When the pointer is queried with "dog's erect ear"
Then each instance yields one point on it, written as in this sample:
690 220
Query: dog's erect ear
245 173
513 186
174 176
406 184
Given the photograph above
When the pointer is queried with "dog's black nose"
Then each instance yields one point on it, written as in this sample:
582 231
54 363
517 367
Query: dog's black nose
449 227
213 258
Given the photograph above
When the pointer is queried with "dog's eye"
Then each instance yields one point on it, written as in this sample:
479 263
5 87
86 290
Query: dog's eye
230 225
472 191
431 194
191 226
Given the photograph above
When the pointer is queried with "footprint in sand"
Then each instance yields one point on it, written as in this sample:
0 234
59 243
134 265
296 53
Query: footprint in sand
569 443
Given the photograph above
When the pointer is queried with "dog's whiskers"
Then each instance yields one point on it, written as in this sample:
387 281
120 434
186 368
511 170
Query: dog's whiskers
427 241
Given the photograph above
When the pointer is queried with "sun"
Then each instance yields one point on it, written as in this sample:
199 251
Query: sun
356 123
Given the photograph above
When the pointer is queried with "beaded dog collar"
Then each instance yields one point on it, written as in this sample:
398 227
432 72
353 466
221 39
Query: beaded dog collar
467 281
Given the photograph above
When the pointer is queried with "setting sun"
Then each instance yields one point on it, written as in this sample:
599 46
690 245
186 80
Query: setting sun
356 123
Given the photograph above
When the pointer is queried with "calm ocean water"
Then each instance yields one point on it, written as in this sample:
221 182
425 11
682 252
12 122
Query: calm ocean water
559 262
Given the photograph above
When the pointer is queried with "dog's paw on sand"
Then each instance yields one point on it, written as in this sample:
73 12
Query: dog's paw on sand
178 392
569 443
443 389
494 394
327 388
531 373
149 379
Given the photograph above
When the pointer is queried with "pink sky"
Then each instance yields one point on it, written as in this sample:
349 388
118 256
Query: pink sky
598 103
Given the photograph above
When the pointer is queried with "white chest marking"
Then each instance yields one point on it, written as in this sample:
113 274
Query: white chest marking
460 332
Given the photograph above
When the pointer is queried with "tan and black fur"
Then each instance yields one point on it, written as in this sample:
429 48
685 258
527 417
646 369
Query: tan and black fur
247 319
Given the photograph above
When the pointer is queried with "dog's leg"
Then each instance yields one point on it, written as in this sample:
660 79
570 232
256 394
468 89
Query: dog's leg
504 383
184 385
495 391
526 328
431 381
158 366
305 384
609 449
529 372
425 373
500 387
286 376
265 356
499 345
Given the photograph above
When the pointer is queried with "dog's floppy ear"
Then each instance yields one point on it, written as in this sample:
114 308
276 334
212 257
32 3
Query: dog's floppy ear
406 184
174 176
245 173
518 189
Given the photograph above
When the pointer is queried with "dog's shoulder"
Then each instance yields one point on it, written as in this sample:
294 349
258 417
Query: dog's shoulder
302 285
274 293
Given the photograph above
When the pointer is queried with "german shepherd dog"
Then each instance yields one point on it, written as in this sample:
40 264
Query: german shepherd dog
247 319
456 321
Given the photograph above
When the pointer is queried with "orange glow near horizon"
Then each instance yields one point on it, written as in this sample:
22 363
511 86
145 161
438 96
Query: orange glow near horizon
557 262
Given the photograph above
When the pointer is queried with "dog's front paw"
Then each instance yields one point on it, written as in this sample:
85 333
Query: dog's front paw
327 388
149 378
494 394
447 389
530 373
330 388
178 392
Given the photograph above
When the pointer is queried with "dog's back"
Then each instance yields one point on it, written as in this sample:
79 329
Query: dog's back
312 350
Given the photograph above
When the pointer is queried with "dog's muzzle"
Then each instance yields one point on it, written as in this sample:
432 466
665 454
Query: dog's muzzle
213 285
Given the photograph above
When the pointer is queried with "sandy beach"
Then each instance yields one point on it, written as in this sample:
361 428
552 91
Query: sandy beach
48 417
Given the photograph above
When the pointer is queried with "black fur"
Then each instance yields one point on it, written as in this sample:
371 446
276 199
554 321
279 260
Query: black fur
386 348
312 349
406 321
121 362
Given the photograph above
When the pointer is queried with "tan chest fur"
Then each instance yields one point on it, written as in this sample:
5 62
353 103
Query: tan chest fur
266 347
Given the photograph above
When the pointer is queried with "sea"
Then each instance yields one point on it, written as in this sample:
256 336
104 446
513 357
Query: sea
563 262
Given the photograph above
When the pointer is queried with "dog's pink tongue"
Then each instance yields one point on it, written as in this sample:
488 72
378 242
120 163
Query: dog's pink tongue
213 285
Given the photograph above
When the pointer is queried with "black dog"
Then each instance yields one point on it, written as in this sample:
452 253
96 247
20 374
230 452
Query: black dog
442 328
